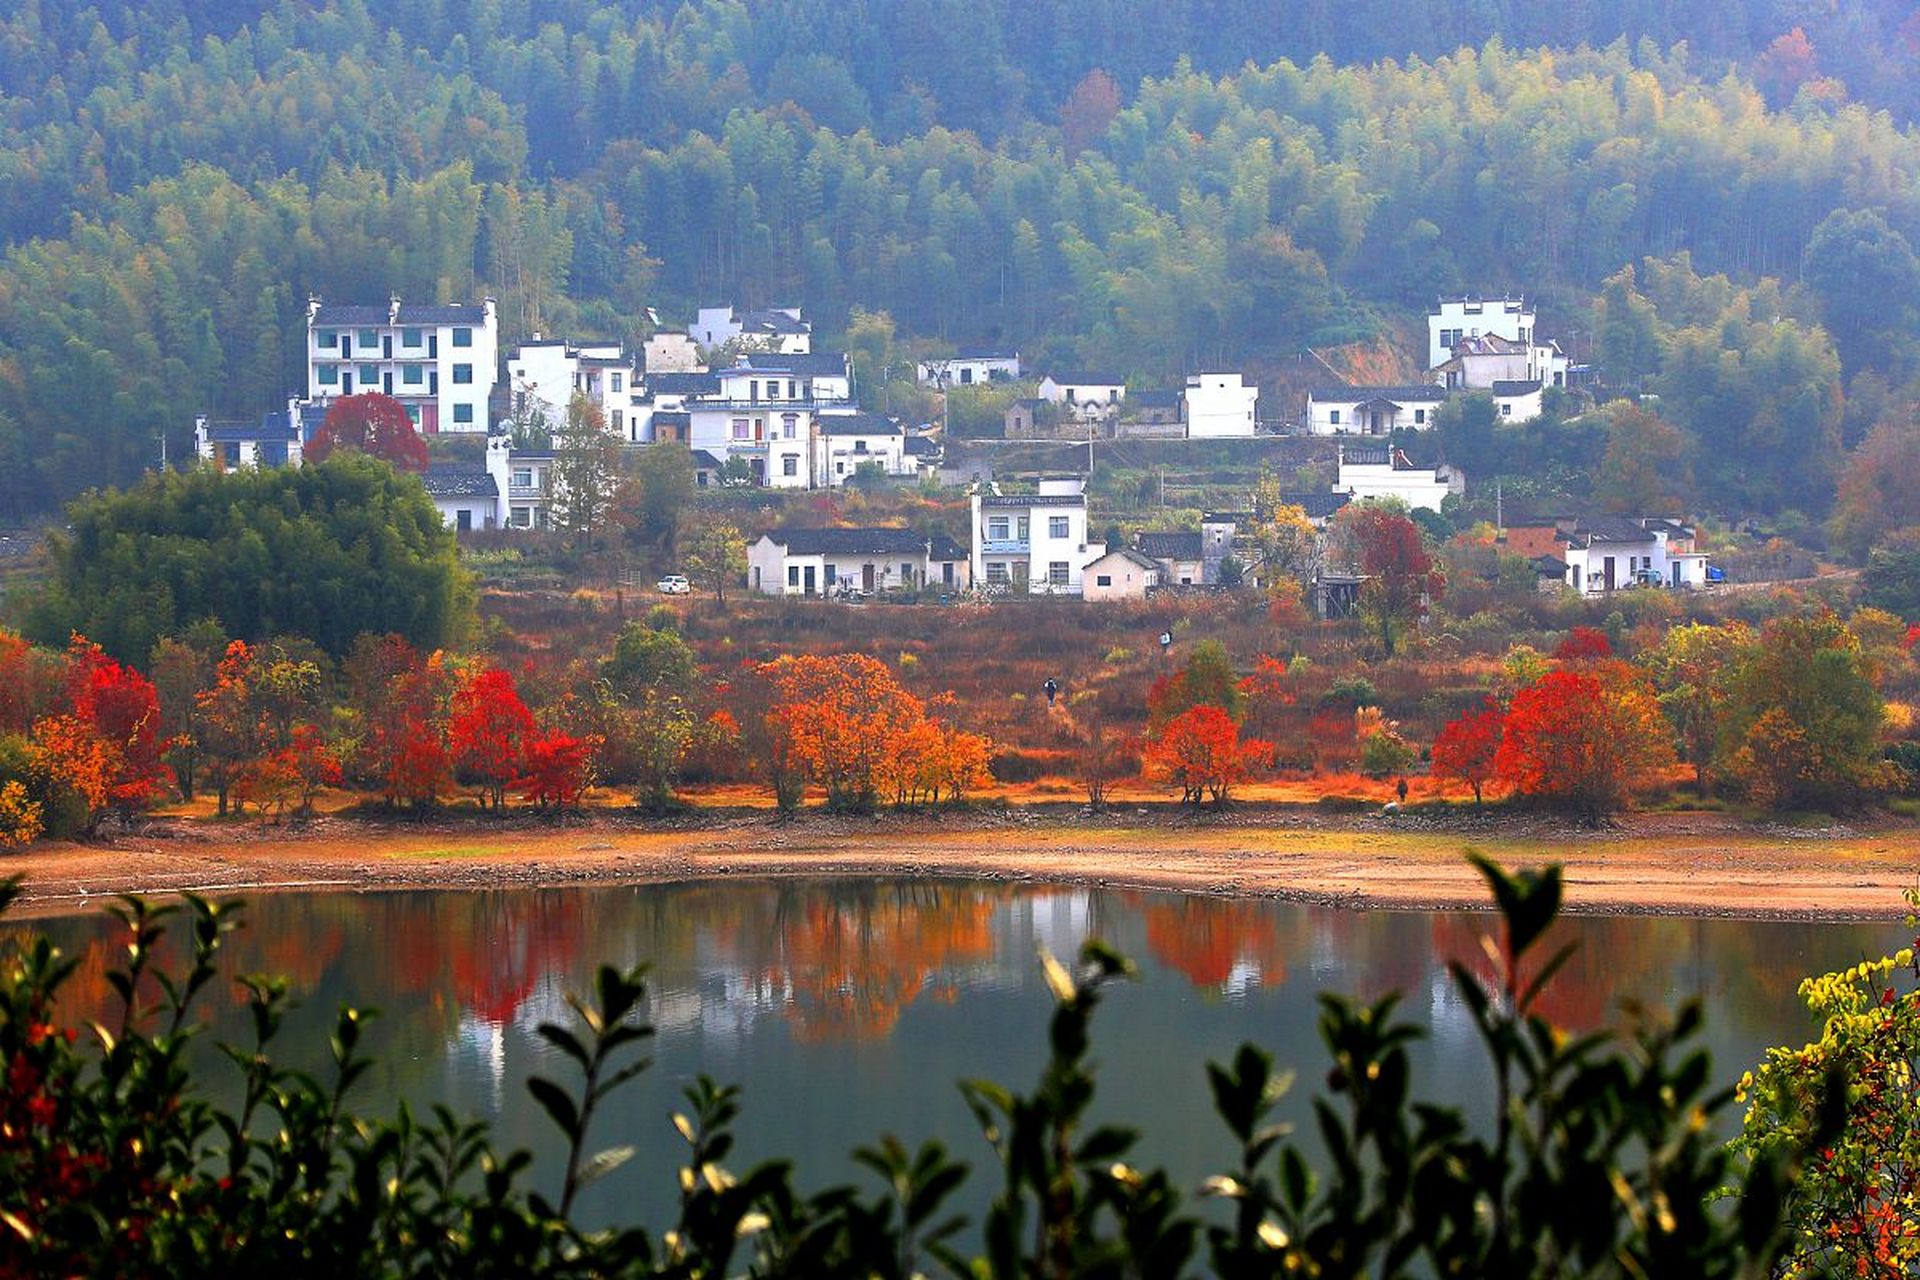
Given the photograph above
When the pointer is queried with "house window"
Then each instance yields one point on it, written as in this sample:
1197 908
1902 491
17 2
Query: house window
997 528
1103 580
413 375
1419 417
369 339
413 414
832 574
522 478
616 384
1333 416
1021 528
463 337
793 575
740 426
328 374
463 413
1057 573
463 375
839 468
522 518
463 520
996 572
369 376
326 339
1506 410
619 421
789 465
859 446
789 424
906 572
1057 527
412 338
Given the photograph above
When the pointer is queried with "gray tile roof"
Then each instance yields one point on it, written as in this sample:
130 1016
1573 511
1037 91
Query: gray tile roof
1426 392
1178 544
459 480
859 541
815 364
349 316
856 424
1086 378
683 384
1514 387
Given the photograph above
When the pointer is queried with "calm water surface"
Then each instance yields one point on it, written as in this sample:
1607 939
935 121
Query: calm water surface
848 1008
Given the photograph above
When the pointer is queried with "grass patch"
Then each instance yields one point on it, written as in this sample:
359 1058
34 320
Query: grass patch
450 851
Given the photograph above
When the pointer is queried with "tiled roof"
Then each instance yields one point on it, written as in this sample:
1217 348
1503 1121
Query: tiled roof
987 353
683 384
770 321
1514 387
812 364
1084 378
922 447
348 316
1424 391
940 547
861 541
1134 557
856 424
1611 529
706 461
1174 545
459 480
1488 344
1157 398
1318 506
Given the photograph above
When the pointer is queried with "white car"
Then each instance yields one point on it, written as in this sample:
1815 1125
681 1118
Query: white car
674 584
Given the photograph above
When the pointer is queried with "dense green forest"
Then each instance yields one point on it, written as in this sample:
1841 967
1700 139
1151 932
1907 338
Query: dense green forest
1152 186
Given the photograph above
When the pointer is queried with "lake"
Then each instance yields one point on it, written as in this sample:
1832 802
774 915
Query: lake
848 1008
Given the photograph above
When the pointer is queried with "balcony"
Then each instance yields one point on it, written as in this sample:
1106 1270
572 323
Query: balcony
1005 546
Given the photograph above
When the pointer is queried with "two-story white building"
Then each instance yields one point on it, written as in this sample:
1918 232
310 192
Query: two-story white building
765 409
441 362
504 490
776 329
547 374
1218 405
1372 411
1603 553
970 366
845 442
1452 320
275 440
1033 543
1088 396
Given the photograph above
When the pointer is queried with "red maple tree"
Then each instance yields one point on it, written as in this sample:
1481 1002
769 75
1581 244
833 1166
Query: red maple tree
556 769
1466 748
374 424
1584 738
1401 576
1583 644
488 733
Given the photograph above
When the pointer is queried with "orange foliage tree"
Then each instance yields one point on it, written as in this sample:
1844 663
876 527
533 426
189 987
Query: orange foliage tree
106 749
1201 750
1466 748
558 768
1584 738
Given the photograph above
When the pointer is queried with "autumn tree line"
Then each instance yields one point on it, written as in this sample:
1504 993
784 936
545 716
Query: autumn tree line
179 180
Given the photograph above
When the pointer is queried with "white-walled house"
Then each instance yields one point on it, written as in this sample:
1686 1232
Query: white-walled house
274 441
1219 404
671 353
546 374
1454 319
1033 543
1485 361
775 329
848 441
505 490
441 362
817 562
1125 574
1518 401
1386 473
765 410
1179 553
1603 553
970 366
1086 395
1372 411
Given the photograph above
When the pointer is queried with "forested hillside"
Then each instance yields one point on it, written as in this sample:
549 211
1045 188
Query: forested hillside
1152 186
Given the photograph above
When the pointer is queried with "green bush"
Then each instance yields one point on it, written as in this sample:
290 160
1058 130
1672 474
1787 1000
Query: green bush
113 1162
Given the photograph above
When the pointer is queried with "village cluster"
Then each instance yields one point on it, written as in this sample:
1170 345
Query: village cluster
746 392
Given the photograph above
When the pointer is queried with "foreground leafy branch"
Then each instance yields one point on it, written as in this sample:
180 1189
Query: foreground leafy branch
1601 1159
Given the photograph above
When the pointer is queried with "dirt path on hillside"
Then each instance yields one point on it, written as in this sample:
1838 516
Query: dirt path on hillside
1683 864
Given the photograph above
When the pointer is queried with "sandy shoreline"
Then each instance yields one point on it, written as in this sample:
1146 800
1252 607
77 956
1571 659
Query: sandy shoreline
1692 864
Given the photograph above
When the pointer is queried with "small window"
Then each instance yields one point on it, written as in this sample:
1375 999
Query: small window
1021 527
740 426
1333 416
997 528
463 375
1057 527
369 375
369 339
463 337
328 374
906 572
619 421
413 375
1419 417
996 572
789 422
463 519
1103 580
832 574
839 468
859 446
789 466
1506 410
616 383
412 338
326 339
1057 573
463 413
522 518
522 477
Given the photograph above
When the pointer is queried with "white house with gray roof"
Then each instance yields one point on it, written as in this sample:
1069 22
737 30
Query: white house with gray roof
441 362
969 366
1372 411
826 562
1033 543
776 329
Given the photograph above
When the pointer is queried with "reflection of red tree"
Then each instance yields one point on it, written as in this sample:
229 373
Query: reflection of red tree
1205 938
509 944
854 967
1576 999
